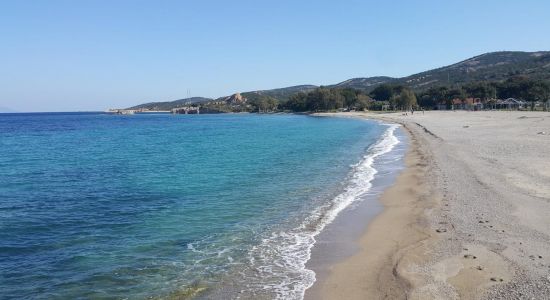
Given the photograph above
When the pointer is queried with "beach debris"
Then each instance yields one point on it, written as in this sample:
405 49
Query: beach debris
479 268
466 126
440 230
542 132
497 279
470 256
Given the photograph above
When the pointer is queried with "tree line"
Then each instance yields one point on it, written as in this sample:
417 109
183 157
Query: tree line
519 87
326 99
400 97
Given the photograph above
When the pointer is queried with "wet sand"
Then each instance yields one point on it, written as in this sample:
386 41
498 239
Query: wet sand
467 219
338 240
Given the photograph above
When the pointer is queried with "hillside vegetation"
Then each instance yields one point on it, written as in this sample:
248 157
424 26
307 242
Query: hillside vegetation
168 105
523 75
494 66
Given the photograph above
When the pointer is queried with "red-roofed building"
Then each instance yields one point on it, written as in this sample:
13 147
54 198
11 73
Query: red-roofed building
467 104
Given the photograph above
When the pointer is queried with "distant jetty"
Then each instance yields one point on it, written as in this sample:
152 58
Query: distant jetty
178 110
116 111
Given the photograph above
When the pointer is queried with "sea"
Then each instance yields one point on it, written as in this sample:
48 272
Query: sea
160 206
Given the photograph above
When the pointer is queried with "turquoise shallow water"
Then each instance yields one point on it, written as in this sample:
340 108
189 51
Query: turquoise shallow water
103 206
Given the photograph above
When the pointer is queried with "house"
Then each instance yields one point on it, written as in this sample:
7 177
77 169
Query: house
466 104
510 103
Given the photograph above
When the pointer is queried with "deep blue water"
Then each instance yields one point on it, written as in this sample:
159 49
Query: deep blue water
105 206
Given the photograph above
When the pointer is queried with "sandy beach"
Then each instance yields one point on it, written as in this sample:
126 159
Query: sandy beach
467 219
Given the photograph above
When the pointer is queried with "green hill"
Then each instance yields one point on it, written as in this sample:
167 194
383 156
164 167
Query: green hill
364 83
168 105
494 66
280 94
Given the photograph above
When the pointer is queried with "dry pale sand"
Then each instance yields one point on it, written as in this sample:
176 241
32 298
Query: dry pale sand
469 218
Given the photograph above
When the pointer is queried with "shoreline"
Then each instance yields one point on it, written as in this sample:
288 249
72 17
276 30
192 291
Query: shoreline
361 179
337 241
370 272
467 218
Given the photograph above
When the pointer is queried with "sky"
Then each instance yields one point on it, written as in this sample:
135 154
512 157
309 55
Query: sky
94 55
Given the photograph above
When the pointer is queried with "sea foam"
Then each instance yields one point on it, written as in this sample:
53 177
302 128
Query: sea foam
280 260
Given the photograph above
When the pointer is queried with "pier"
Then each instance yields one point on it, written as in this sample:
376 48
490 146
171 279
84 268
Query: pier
118 111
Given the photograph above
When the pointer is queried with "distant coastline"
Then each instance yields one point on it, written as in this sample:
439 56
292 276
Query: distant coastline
496 80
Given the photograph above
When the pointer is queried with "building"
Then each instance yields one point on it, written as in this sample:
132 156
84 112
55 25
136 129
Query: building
186 110
510 103
465 104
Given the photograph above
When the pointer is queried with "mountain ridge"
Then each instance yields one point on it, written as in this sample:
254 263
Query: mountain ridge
490 66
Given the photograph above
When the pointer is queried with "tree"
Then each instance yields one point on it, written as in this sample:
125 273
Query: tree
350 96
297 102
405 100
481 90
382 92
408 99
540 91
457 93
263 103
515 87
434 96
525 88
272 104
363 102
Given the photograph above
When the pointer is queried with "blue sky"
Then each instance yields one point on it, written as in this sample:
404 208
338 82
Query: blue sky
92 55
